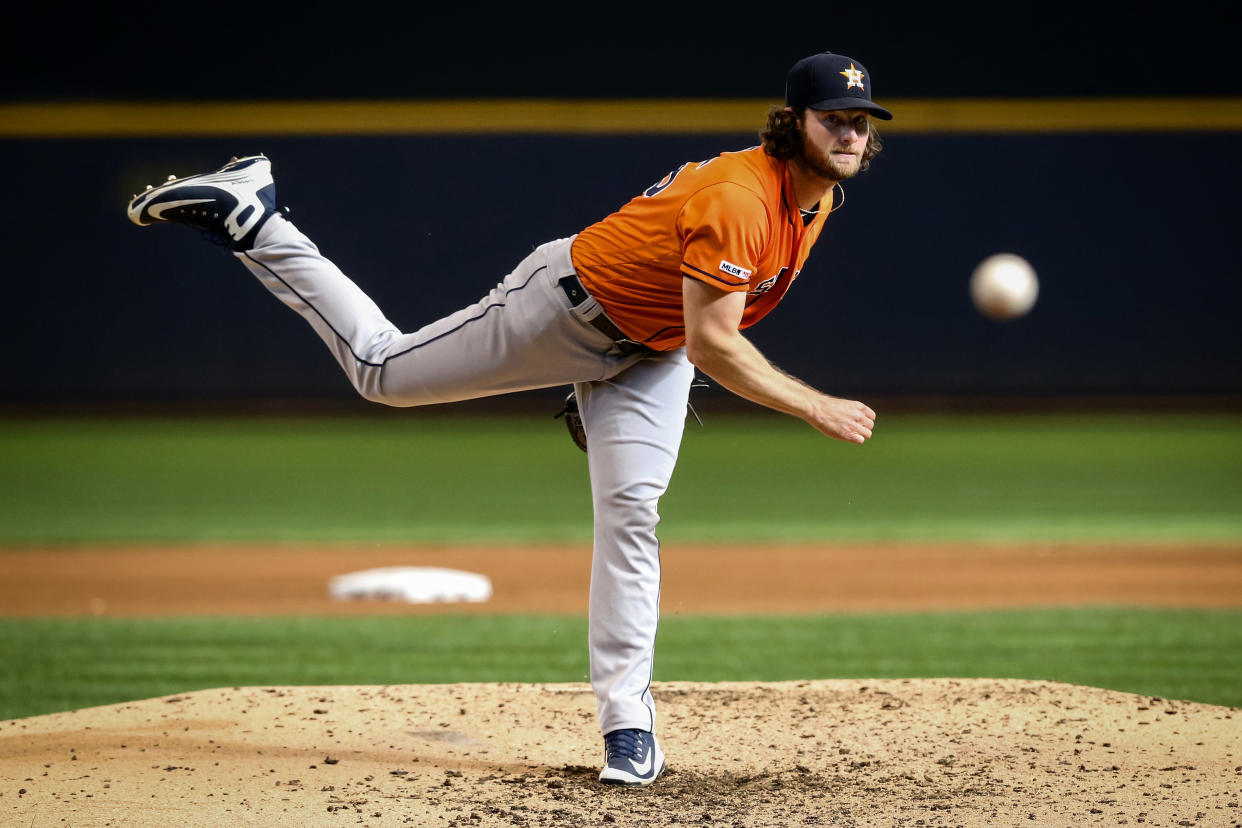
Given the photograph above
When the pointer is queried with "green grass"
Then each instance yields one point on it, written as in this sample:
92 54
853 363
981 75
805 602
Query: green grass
47 665
455 479
1174 478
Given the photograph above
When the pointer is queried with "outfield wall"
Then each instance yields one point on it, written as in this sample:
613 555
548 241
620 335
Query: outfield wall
486 130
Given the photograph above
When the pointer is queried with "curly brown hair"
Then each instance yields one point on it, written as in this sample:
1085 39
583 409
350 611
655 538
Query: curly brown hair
782 136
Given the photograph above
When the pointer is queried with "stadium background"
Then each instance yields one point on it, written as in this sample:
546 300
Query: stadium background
1127 212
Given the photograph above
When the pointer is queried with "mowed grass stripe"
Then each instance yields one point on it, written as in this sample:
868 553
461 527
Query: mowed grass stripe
68 663
517 478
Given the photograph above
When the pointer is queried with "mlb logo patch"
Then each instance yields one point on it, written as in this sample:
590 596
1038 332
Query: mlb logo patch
734 270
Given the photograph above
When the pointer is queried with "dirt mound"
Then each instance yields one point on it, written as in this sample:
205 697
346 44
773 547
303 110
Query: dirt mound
925 752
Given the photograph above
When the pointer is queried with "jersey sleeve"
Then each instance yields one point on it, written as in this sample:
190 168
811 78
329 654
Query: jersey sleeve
723 228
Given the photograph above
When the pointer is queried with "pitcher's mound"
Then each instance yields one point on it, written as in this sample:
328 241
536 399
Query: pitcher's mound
925 752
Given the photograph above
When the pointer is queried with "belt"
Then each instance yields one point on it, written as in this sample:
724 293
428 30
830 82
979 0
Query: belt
577 295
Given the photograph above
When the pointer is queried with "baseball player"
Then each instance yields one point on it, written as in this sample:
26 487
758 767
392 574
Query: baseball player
624 310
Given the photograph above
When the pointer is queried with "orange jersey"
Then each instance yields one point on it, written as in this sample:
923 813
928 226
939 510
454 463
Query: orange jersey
730 222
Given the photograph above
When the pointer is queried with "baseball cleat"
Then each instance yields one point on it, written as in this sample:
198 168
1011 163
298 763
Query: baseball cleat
231 203
631 757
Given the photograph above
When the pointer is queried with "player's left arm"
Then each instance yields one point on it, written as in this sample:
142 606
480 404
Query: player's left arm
717 347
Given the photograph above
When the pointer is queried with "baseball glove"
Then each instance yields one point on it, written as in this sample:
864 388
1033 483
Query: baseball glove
573 421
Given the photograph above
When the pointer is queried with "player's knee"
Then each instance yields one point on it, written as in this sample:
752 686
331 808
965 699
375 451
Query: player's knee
628 511
370 387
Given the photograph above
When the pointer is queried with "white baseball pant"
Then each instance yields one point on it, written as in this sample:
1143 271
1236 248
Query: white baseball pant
526 334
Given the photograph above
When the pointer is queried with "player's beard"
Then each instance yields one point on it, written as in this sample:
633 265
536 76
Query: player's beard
822 165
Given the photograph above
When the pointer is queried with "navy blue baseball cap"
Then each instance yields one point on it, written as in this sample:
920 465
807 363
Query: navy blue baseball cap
827 81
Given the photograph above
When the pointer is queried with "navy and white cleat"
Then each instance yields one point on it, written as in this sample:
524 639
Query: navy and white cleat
631 757
231 203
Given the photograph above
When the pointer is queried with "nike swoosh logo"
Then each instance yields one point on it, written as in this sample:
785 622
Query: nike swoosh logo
157 212
645 767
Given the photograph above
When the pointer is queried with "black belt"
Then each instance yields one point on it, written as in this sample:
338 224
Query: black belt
577 295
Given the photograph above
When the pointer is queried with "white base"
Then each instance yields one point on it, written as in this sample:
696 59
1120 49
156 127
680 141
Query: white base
412 584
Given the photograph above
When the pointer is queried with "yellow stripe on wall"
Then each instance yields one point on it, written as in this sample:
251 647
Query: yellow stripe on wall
556 117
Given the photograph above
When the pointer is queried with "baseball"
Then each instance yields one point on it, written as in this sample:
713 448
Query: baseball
1004 286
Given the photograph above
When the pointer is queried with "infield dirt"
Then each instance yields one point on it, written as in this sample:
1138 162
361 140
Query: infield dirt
850 753
287 579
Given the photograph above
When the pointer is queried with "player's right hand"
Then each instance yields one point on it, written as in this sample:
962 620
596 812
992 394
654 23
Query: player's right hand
847 420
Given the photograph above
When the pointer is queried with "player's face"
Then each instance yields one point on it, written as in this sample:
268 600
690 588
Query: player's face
833 142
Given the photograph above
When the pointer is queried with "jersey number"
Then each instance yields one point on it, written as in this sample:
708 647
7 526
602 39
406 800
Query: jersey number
770 282
663 184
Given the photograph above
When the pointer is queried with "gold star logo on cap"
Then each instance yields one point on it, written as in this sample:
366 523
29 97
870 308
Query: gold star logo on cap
854 77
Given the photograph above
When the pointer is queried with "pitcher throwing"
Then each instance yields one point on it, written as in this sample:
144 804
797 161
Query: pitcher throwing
624 311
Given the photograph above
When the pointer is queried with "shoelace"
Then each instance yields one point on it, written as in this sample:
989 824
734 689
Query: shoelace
624 743
207 222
